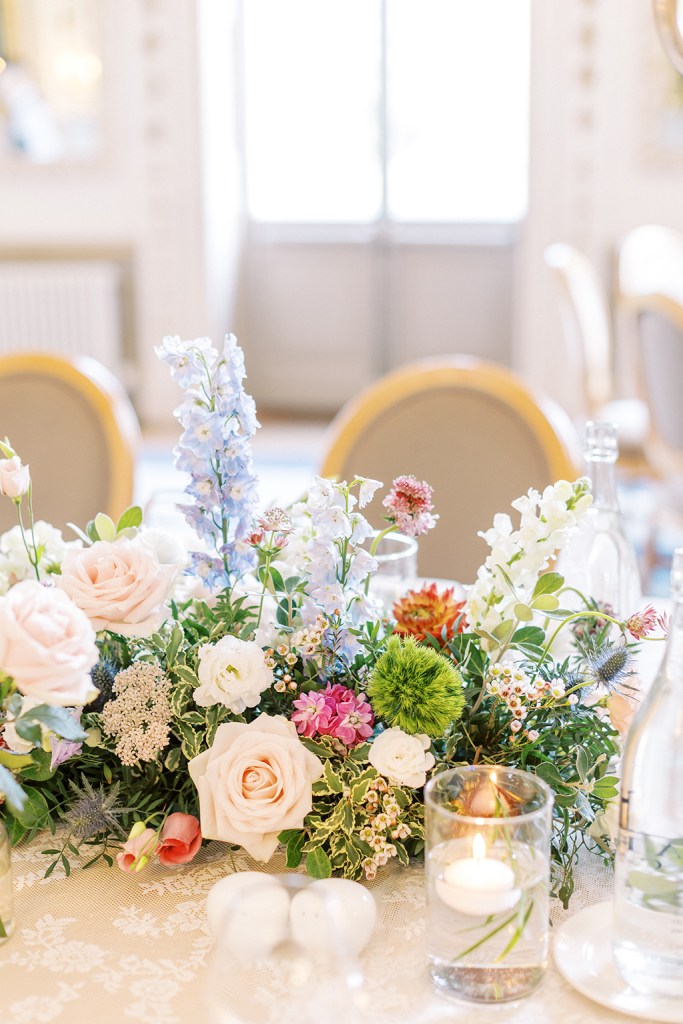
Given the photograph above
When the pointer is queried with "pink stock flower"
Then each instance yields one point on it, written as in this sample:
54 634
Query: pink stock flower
313 714
409 506
353 721
180 840
641 624
335 711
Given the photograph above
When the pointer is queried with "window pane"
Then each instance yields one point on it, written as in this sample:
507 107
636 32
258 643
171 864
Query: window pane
458 109
312 98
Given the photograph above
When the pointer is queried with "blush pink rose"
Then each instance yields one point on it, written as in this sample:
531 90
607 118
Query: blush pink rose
181 838
47 645
253 782
137 849
119 584
15 479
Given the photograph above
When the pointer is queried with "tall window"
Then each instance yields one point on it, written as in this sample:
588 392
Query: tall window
407 111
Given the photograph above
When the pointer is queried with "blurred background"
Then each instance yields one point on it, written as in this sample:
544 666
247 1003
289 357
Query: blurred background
347 185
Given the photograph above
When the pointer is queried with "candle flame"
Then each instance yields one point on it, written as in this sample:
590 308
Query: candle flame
478 847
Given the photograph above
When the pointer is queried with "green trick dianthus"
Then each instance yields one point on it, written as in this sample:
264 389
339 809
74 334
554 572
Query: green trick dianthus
416 688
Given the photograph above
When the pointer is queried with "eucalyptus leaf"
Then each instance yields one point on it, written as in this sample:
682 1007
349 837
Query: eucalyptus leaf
105 526
130 519
548 583
523 612
545 603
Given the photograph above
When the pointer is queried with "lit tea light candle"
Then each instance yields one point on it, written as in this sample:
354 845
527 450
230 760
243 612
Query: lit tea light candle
478 885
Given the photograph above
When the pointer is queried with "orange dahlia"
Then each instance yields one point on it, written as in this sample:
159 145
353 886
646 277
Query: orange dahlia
428 611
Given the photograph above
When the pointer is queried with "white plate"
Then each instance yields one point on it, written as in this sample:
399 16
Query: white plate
583 955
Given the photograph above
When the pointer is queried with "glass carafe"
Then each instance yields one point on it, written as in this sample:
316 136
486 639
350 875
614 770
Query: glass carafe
648 901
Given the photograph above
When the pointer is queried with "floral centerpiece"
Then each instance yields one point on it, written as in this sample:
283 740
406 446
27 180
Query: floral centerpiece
253 691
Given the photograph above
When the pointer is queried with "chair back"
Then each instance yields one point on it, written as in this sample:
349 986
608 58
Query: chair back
586 322
472 430
72 422
650 293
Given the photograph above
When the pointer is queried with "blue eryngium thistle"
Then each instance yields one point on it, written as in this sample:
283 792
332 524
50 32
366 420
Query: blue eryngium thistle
609 665
416 688
103 675
94 811
218 420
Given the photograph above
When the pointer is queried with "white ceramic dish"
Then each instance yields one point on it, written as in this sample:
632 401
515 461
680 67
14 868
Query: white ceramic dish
583 955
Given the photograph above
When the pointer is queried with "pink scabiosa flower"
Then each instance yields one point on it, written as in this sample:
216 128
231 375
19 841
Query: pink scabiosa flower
641 624
409 506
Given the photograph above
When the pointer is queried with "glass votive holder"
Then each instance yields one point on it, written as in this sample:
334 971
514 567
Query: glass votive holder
6 894
488 881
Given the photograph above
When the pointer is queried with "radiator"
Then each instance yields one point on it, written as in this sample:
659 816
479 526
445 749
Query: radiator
67 307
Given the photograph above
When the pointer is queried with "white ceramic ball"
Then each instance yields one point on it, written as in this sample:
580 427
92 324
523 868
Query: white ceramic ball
333 917
248 912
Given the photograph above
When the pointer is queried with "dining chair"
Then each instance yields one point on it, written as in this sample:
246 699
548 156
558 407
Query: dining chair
72 422
470 429
588 331
650 294
649 262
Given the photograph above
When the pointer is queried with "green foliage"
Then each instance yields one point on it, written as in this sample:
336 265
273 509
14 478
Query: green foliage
416 688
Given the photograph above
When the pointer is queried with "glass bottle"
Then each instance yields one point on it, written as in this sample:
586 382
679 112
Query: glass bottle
648 900
6 894
600 560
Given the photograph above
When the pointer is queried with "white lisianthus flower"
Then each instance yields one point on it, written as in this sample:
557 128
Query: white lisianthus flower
232 672
606 825
14 563
165 545
401 758
15 479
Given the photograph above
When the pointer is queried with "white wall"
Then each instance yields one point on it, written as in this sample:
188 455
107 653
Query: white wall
141 201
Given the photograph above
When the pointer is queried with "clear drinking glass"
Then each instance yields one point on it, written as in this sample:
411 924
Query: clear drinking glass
6 894
396 557
488 878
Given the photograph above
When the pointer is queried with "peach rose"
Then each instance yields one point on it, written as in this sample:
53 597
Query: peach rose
622 707
181 838
253 782
138 848
14 478
119 585
47 645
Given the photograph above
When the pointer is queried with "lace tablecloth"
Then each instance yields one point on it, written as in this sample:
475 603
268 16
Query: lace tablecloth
103 946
